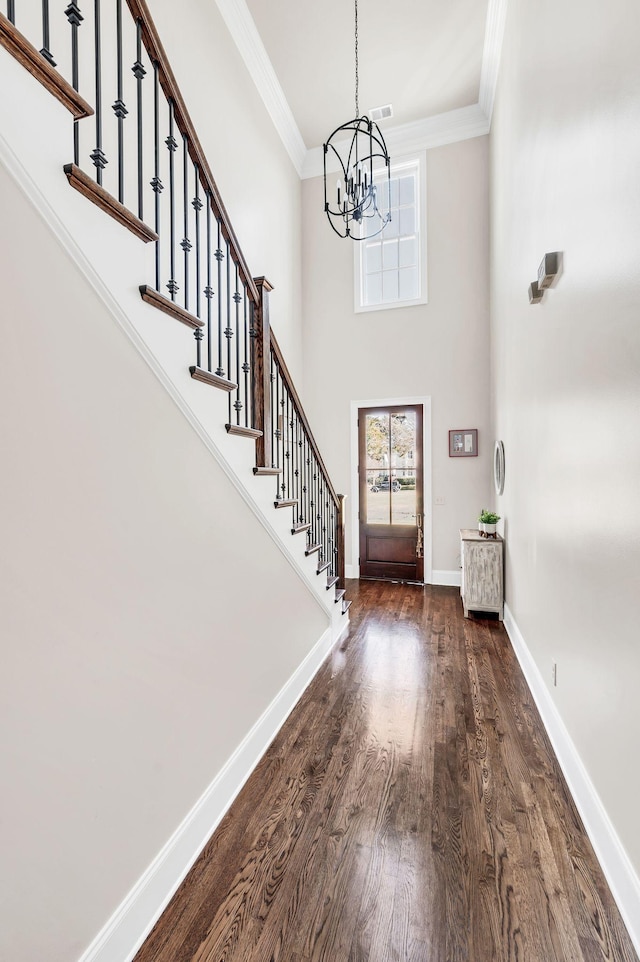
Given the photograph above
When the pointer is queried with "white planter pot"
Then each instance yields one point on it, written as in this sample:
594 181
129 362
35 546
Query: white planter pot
489 528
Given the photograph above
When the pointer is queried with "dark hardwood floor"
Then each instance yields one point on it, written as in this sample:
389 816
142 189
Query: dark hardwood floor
411 809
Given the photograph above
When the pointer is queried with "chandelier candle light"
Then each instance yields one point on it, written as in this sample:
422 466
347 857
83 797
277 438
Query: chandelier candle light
358 146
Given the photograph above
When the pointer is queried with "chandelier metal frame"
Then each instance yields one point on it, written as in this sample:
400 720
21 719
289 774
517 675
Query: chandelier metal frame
359 147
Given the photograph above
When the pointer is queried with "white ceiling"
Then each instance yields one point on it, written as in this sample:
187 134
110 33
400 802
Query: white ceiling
422 56
436 61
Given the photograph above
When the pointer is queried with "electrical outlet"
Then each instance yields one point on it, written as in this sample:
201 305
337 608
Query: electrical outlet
554 673
439 500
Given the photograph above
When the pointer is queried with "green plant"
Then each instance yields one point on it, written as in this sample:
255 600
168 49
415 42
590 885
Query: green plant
488 517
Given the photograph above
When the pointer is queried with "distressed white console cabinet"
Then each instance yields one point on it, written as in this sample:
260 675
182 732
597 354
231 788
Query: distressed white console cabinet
482 584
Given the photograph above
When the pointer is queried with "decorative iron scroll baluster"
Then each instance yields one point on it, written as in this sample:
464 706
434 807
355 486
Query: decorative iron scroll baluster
198 334
196 203
219 256
97 155
139 73
119 107
307 512
287 453
228 331
172 146
208 291
156 184
248 408
297 473
185 243
11 11
75 18
237 297
46 39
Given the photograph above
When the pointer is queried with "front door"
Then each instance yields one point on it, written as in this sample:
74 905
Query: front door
391 509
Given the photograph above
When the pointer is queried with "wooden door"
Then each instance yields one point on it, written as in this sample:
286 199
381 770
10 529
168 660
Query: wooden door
391 493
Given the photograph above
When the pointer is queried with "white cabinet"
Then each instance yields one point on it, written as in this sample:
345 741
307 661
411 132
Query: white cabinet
482 585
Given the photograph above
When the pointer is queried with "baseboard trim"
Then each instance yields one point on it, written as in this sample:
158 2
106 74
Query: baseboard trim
619 872
134 918
451 578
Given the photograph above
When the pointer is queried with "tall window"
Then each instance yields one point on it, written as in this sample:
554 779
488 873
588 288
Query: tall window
391 268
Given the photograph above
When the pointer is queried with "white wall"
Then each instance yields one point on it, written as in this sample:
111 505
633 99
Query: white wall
564 176
146 618
439 349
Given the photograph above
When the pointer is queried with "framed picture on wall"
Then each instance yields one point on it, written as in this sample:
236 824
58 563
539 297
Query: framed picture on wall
463 443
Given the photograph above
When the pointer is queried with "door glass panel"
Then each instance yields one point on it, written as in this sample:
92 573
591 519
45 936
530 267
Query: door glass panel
403 468
378 501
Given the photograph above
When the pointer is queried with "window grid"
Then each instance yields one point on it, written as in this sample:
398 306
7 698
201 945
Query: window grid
389 265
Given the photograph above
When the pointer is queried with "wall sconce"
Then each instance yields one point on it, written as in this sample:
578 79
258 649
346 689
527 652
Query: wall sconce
548 272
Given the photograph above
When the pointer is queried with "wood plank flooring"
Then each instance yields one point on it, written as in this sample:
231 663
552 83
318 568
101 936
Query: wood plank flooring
411 809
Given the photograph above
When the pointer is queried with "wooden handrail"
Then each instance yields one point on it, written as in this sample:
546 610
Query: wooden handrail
153 44
288 380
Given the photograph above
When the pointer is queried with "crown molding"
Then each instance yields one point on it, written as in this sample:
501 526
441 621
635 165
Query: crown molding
493 37
243 30
448 128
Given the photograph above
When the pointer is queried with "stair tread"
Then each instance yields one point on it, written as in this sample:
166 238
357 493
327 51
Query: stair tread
199 374
345 606
299 528
340 593
312 548
94 192
323 567
238 431
332 581
284 504
266 472
153 297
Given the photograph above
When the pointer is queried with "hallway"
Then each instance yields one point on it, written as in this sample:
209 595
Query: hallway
410 809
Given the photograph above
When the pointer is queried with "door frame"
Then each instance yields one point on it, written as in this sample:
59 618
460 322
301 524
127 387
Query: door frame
353 570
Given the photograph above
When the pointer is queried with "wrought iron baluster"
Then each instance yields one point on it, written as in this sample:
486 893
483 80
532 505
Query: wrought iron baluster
11 11
185 243
277 460
219 257
156 184
172 146
196 203
323 505
274 417
246 367
119 107
139 73
97 155
208 291
297 463
46 38
307 511
228 331
237 297
75 18
287 452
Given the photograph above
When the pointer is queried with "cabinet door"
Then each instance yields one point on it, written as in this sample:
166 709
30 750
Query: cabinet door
482 563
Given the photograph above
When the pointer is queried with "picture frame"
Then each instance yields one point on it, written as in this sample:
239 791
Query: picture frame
463 443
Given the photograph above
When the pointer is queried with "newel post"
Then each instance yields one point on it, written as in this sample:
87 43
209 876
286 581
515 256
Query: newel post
262 375
340 538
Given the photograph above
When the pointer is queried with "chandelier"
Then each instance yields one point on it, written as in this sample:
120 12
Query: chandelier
353 206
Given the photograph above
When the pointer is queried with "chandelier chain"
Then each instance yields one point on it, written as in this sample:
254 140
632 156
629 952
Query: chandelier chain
356 39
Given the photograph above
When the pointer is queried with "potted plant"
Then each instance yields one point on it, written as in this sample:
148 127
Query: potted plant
487 523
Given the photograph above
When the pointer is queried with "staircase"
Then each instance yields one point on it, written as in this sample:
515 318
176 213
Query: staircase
140 161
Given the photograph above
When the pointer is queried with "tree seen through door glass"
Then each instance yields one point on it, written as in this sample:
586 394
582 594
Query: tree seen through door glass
391 468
